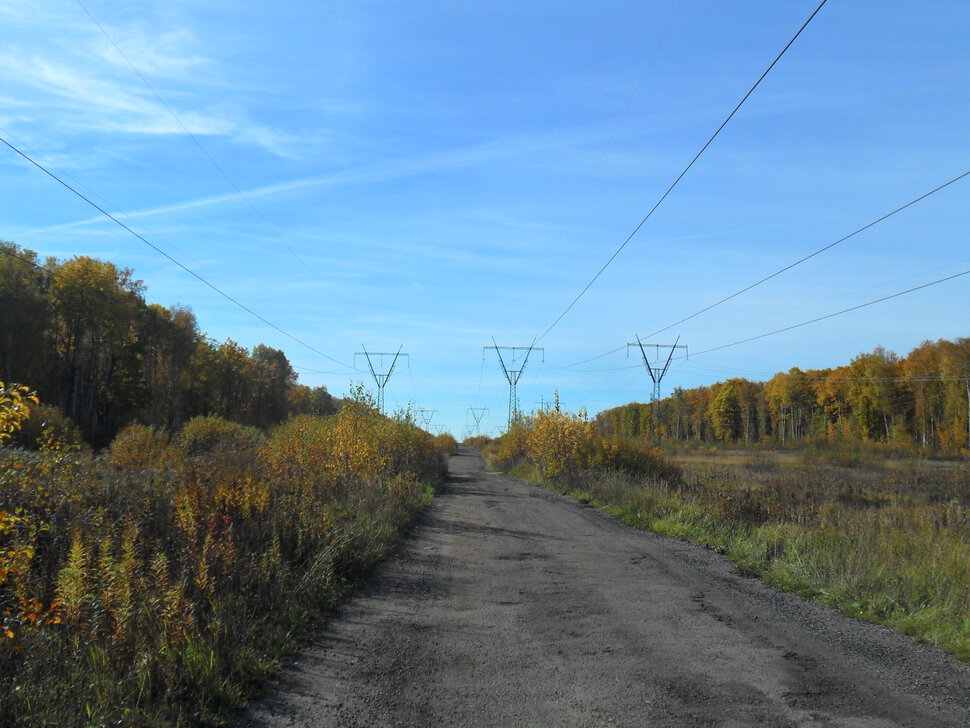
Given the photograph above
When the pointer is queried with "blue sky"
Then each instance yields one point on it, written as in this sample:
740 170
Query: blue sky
432 175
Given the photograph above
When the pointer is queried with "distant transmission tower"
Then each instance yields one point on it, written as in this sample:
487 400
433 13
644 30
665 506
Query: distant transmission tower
511 373
544 405
478 413
426 416
656 374
380 376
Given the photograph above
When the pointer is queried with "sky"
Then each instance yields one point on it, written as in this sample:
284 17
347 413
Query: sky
437 178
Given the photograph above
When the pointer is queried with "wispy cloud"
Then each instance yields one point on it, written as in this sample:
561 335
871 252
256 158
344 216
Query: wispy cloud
375 173
170 54
80 83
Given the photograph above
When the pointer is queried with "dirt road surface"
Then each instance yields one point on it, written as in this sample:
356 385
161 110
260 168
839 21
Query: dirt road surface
513 606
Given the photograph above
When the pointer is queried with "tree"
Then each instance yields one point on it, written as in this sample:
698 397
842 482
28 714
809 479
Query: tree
832 395
95 309
24 316
273 377
724 410
873 392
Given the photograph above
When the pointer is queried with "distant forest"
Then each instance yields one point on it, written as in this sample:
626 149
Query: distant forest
81 333
922 399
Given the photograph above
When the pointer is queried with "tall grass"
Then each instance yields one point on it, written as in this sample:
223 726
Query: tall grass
156 584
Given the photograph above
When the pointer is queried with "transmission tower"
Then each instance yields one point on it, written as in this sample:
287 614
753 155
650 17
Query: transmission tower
545 405
380 376
511 373
426 416
478 413
656 374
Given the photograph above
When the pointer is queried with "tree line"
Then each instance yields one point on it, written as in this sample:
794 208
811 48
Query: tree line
921 400
81 333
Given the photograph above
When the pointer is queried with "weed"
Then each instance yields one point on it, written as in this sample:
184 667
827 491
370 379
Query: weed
154 585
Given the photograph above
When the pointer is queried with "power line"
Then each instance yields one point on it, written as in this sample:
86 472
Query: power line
812 255
592 358
22 259
803 323
682 174
154 247
788 267
837 313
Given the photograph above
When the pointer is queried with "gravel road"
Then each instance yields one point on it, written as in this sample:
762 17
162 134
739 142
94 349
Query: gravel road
510 605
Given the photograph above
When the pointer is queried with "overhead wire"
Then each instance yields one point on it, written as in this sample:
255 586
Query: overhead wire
813 254
833 315
629 101
682 174
618 124
47 271
799 325
174 260
107 205
603 384
786 268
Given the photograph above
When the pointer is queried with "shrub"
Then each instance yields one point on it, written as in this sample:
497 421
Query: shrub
138 447
210 434
137 593
559 444
637 459
15 402
446 444
478 442
47 425
510 449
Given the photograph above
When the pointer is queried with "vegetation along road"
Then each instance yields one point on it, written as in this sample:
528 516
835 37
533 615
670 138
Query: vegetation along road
511 605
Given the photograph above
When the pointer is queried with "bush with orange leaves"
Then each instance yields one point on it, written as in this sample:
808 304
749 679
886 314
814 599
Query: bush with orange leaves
509 450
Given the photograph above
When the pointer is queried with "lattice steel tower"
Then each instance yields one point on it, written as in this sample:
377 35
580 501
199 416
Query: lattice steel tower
656 375
380 377
511 373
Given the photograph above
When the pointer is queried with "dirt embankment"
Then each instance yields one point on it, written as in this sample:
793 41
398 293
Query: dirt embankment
513 606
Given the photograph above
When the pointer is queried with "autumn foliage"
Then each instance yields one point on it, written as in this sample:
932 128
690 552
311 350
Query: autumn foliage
563 448
82 333
917 402
153 584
